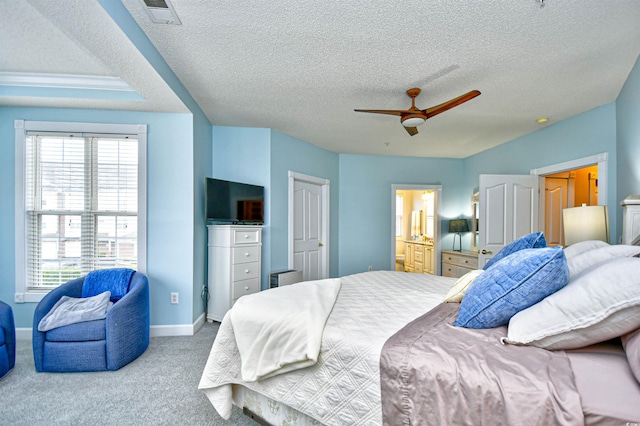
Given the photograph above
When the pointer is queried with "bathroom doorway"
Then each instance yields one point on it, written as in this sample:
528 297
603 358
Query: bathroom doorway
571 188
415 227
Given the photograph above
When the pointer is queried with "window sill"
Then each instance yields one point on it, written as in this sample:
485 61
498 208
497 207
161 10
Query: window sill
30 297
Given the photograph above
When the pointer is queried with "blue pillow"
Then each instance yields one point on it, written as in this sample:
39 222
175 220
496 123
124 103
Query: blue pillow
535 240
514 283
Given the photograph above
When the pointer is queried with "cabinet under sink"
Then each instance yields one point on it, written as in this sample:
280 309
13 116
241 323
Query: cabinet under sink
418 257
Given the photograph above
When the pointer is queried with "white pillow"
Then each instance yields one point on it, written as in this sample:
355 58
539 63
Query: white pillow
598 305
582 246
457 292
582 261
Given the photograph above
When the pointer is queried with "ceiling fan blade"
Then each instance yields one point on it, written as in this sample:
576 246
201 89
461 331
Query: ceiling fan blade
397 112
435 110
411 130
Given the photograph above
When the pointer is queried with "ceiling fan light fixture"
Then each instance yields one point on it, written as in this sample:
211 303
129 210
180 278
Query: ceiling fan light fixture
413 121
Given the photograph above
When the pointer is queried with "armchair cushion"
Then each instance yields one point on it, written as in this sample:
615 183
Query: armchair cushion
79 332
114 280
7 339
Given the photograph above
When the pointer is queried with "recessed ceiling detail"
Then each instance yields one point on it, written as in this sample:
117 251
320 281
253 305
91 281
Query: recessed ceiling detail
299 67
65 81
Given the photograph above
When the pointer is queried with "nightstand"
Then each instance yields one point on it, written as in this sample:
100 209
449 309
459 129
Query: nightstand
457 263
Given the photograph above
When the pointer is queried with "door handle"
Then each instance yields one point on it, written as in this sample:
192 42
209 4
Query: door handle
320 245
486 251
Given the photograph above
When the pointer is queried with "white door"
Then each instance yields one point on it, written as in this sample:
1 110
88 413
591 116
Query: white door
508 210
556 199
308 223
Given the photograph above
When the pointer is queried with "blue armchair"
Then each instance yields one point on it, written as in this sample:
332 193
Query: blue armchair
7 340
106 344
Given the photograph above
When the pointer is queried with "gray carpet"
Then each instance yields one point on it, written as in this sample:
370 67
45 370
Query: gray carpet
159 388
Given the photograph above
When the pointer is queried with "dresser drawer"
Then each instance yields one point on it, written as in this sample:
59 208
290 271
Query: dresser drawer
245 271
418 256
246 254
459 260
242 288
453 271
246 236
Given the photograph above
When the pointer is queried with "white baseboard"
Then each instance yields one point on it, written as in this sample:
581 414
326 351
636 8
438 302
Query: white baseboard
23 333
156 330
178 330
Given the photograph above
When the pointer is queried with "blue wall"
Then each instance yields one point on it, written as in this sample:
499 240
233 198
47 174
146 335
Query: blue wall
628 127
198 148
581 136
203 151
184 148
170 248
243 154
264 157
365 202
291 154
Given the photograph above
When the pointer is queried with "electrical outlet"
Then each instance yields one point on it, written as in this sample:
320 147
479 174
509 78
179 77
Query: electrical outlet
18 298
174 298
370 268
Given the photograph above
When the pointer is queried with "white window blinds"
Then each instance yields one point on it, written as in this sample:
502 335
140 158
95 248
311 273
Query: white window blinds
81 205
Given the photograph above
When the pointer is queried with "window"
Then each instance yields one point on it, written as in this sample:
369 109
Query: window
81 202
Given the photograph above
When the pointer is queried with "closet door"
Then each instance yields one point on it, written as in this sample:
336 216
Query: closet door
508 210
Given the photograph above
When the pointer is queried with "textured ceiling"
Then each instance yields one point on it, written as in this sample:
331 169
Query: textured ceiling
76 37
301 66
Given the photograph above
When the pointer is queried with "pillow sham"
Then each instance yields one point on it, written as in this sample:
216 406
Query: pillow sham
583 246
589 258
631 344
514 283
535 240
457 292
597 305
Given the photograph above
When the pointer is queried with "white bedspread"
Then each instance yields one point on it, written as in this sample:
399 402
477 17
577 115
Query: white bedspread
343 387
280 329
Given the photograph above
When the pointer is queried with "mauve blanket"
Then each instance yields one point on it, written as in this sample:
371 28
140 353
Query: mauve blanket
432 373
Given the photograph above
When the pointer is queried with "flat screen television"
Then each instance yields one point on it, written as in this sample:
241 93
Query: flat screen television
233 202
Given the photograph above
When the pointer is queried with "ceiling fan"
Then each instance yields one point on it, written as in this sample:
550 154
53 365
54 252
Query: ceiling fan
413 117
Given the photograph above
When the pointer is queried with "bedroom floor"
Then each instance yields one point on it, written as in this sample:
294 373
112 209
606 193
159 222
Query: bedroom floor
159 388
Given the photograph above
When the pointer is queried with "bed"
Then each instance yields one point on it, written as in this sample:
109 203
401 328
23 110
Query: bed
390 354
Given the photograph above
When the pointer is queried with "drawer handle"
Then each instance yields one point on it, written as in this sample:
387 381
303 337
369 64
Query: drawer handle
466 261
246 271
247 254
246 288
246 236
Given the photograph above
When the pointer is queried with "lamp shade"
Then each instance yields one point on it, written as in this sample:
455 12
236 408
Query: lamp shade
585 223
458 225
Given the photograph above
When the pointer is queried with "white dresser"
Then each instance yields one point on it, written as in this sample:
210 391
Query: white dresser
457 263
234 266
630 219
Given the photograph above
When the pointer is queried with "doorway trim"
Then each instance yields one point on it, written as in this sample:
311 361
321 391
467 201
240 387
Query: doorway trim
325 184
598 159
436 244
